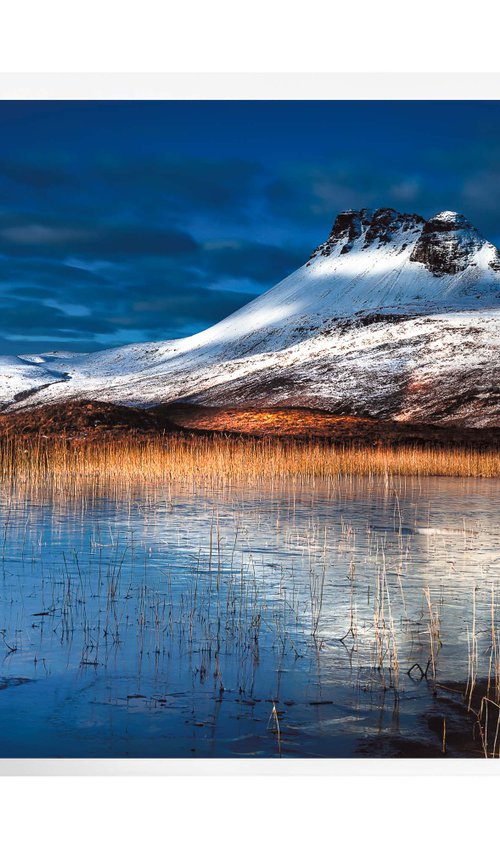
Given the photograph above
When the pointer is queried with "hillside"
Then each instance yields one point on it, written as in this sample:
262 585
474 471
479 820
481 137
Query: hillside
392 317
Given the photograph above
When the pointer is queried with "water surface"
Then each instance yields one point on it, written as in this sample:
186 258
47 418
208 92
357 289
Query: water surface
170 621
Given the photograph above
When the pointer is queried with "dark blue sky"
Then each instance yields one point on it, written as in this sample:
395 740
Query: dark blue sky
133 221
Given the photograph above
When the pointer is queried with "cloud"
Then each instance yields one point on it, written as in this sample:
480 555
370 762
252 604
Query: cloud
263 263
32 318
25 237
313 193
185 311
35 235
304 194
192 183
34 174
134 299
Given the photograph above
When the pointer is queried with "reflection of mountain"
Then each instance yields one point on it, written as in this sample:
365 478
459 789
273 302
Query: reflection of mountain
392 316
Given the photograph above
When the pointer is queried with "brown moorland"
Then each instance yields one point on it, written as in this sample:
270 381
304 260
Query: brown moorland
97 420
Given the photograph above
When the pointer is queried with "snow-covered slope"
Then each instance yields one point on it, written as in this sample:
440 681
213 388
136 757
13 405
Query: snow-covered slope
20 376
392 316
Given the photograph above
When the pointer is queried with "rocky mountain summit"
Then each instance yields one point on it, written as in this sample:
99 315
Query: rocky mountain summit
382 226
392 317
445 244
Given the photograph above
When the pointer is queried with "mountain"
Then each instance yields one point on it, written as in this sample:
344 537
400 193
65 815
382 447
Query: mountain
393 317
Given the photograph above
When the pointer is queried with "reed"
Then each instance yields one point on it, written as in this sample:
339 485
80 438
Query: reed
220 458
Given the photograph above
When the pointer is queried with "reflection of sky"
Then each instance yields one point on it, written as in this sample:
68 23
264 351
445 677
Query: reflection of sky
440 534
269 549
123 222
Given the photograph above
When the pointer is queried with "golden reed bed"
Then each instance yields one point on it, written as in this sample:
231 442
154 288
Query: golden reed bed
213 458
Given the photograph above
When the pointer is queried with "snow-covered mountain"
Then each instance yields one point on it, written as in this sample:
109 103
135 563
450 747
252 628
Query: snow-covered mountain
393 316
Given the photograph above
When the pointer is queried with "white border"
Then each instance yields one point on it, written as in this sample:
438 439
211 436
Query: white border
250 767
248 86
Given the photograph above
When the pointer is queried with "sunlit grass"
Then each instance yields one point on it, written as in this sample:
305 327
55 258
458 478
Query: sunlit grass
220 458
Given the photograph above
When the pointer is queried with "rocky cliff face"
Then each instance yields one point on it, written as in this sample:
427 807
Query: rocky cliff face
347 229
449 244
392 317
365 227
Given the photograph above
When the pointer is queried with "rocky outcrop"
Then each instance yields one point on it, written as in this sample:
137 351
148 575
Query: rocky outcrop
347 228
387 224
448 244
366 227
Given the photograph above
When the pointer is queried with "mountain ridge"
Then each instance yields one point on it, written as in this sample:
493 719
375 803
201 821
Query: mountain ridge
392 316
